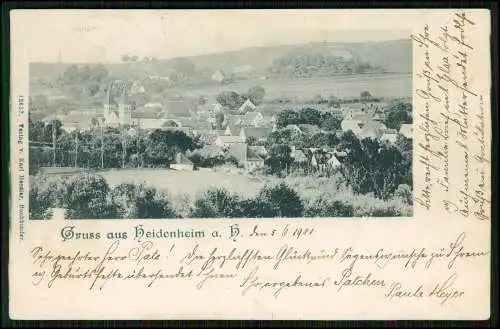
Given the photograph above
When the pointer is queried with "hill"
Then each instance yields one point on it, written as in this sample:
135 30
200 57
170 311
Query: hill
392 56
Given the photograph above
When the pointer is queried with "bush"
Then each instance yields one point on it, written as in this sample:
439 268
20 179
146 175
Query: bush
140 201
88 198
327 208
216 202
404 193
279 201
45 193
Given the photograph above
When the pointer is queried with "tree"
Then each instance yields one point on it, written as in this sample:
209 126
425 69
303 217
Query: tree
216 203
310 116
287 117
398 114
125 58
256 94
365 96
279 201
230 99
331 123
88 198
279 158
140 201
134 58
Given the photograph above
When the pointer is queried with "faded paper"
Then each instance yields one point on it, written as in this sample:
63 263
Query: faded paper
433 264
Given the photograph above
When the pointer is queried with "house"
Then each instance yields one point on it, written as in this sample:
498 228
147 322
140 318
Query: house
351 125
258 134
254 119
253 160
406 130
77 120
147 120
298 156
182 163
227 141
232 130
294 128
247 106
333 162
207 137
391 138
239 152
372 129
219 76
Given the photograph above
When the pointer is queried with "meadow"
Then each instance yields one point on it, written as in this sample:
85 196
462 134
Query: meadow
185 182
380 85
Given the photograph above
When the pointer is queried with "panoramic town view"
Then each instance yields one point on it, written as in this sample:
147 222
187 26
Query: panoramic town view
318 129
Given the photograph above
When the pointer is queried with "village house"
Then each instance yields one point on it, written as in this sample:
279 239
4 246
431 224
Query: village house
232 130
219 76
258 134
147 120
294 129
182 163
247 106
333 162
253 160
254 119
406 130
207 136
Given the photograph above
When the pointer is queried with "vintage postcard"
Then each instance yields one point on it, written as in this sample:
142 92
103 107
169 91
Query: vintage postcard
250 164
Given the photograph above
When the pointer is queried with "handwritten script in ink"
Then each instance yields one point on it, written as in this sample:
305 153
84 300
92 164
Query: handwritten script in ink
290 265
454 149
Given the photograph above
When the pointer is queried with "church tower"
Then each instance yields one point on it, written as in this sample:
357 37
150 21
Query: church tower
118 107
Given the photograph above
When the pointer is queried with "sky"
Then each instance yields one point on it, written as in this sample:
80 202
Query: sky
104 36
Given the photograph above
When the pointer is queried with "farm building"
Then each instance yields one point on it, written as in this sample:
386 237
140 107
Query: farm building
182 163
294 128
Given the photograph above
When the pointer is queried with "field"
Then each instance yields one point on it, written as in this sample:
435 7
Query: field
380 85
185 182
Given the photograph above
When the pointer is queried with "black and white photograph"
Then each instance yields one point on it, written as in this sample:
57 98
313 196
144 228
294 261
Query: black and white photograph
220 123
